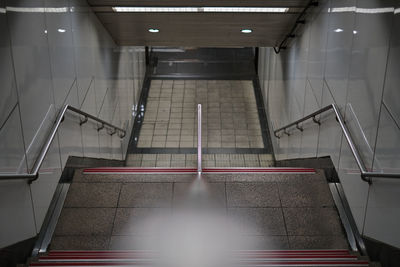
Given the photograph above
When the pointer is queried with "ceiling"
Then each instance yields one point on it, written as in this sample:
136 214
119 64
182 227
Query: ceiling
198 29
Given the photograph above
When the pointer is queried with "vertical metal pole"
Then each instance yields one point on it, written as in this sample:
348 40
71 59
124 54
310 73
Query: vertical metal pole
199 169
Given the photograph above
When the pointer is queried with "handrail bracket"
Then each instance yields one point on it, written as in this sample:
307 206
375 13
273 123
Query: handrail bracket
316 121
285 132
83 121
101 127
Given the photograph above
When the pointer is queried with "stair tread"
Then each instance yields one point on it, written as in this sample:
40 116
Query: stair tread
270 263
241 251
119 170
330 257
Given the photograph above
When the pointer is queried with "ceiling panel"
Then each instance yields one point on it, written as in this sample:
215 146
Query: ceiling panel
197 29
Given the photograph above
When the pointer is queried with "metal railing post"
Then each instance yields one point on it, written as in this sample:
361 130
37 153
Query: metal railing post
199 169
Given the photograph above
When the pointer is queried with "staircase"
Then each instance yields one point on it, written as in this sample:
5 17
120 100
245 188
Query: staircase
290 212
242 258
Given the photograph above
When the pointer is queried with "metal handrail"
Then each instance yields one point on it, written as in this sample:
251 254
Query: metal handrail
299 21
365 174
34 174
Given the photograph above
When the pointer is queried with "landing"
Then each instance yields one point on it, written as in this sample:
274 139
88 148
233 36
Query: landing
270 211
233 121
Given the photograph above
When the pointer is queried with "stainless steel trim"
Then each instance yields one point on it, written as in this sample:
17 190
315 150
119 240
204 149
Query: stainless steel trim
50 221
34 173
343 217
353 225
199 169
365 174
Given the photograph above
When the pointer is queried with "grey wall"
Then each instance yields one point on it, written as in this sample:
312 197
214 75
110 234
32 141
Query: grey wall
54 53
348 54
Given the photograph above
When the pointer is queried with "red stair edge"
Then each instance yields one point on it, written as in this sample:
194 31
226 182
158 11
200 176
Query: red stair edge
329 251
194 170
309 263
272 256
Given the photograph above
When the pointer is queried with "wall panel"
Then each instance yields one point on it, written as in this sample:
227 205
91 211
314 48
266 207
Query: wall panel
51 57
351 57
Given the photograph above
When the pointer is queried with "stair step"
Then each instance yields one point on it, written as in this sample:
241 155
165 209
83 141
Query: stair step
254 255
247 258
246 252
156 170
258 264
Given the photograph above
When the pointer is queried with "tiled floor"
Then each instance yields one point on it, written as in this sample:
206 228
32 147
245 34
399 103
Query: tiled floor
271 211
190 160
229 114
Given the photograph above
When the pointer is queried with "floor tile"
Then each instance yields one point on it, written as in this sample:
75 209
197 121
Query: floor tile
149 157
96 242
305 194
252 195
85 221
318 242
93 195
209 193
146 195
175 105
166 164
139 221
136 242
148 163
260 242
312 221
258 221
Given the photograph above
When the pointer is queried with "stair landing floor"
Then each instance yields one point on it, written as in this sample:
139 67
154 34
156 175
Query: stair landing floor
284 211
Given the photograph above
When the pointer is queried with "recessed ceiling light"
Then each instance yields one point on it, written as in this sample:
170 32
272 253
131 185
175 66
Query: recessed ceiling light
38 9
246 30
355 32
154 30
203 9
338 30
362 10
61 30
247 9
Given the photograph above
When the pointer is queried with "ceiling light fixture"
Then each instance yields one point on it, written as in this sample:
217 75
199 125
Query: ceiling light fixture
152 30
38 9
338 30
362 10
247 9
61 30
155 9
203 9
246 30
